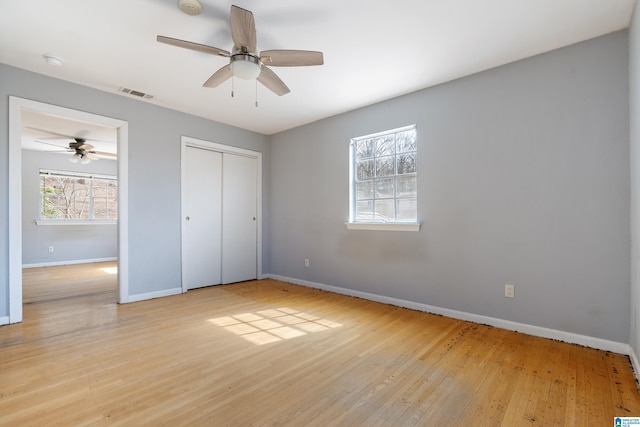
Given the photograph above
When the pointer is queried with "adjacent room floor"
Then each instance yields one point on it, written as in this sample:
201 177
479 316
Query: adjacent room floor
271 353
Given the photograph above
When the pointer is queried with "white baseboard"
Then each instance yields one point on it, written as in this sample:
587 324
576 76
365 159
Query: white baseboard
151 295
4 320
587 341
78 261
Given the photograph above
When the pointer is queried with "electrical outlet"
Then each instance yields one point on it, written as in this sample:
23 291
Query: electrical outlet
510 291
50 248
306 262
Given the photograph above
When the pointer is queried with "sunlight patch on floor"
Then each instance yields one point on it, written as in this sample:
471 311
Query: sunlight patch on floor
110 270
267 326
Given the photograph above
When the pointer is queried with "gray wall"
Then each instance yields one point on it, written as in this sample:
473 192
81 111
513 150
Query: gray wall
71 243
634 137
154 179
523 178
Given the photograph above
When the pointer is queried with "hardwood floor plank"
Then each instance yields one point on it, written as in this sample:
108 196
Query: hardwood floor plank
265 353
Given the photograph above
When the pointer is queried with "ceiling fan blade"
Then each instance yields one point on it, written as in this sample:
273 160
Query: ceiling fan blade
193 46
104 153
65 136
52 144
291 58
91 156
218 77
86 147
243 29
272 82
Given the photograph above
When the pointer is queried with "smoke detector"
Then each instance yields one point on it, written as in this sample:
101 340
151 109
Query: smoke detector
52 60
190 7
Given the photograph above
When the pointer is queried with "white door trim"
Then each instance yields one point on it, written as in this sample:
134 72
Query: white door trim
16 105
221 148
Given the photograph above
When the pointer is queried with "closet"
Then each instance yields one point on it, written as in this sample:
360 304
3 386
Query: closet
219 214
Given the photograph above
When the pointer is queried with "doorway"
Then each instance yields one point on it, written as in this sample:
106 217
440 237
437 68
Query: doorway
17 106
221 214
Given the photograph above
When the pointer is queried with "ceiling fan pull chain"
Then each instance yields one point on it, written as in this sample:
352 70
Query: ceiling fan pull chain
256 93
232 79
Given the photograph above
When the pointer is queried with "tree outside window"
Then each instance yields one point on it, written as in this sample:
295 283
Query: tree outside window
67 196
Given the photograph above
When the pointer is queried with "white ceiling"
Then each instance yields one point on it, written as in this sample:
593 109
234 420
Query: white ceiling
373 50
51 133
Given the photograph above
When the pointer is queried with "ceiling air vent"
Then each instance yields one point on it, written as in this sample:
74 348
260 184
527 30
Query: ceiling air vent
135 93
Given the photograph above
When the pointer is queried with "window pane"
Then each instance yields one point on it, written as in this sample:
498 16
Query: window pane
406 210
406 141
364 211
406 186
64 200
364 149
49 199
384 210
385 145
50 207
364 169
112 213
79 209
99 208
112 189
384 166
385 188
364 190
80 191
406 163
77 197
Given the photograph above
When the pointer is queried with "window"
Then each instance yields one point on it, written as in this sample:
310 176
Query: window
384 178
77 197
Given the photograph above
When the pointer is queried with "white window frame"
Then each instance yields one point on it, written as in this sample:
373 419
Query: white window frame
353 224
84 221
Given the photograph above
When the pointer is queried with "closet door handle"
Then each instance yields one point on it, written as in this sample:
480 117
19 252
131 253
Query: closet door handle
188 218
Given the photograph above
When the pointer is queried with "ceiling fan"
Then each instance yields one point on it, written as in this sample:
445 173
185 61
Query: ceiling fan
244 62
82 151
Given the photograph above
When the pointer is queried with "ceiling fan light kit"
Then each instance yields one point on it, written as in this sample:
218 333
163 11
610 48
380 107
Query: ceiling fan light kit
83 158
244 62
245 66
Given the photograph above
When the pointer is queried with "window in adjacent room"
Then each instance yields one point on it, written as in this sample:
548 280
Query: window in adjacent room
383 175
77 197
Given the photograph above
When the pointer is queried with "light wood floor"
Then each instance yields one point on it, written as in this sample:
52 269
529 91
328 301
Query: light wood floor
269 353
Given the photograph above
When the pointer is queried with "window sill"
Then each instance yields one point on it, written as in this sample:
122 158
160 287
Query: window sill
384 226
76 222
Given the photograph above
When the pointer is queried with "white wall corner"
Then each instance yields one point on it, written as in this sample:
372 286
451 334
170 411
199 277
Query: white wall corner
635 365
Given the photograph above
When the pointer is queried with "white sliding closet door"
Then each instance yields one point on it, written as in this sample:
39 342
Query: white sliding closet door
239 231
220 193
202 218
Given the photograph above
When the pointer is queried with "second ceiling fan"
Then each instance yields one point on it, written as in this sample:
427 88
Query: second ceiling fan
244 62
